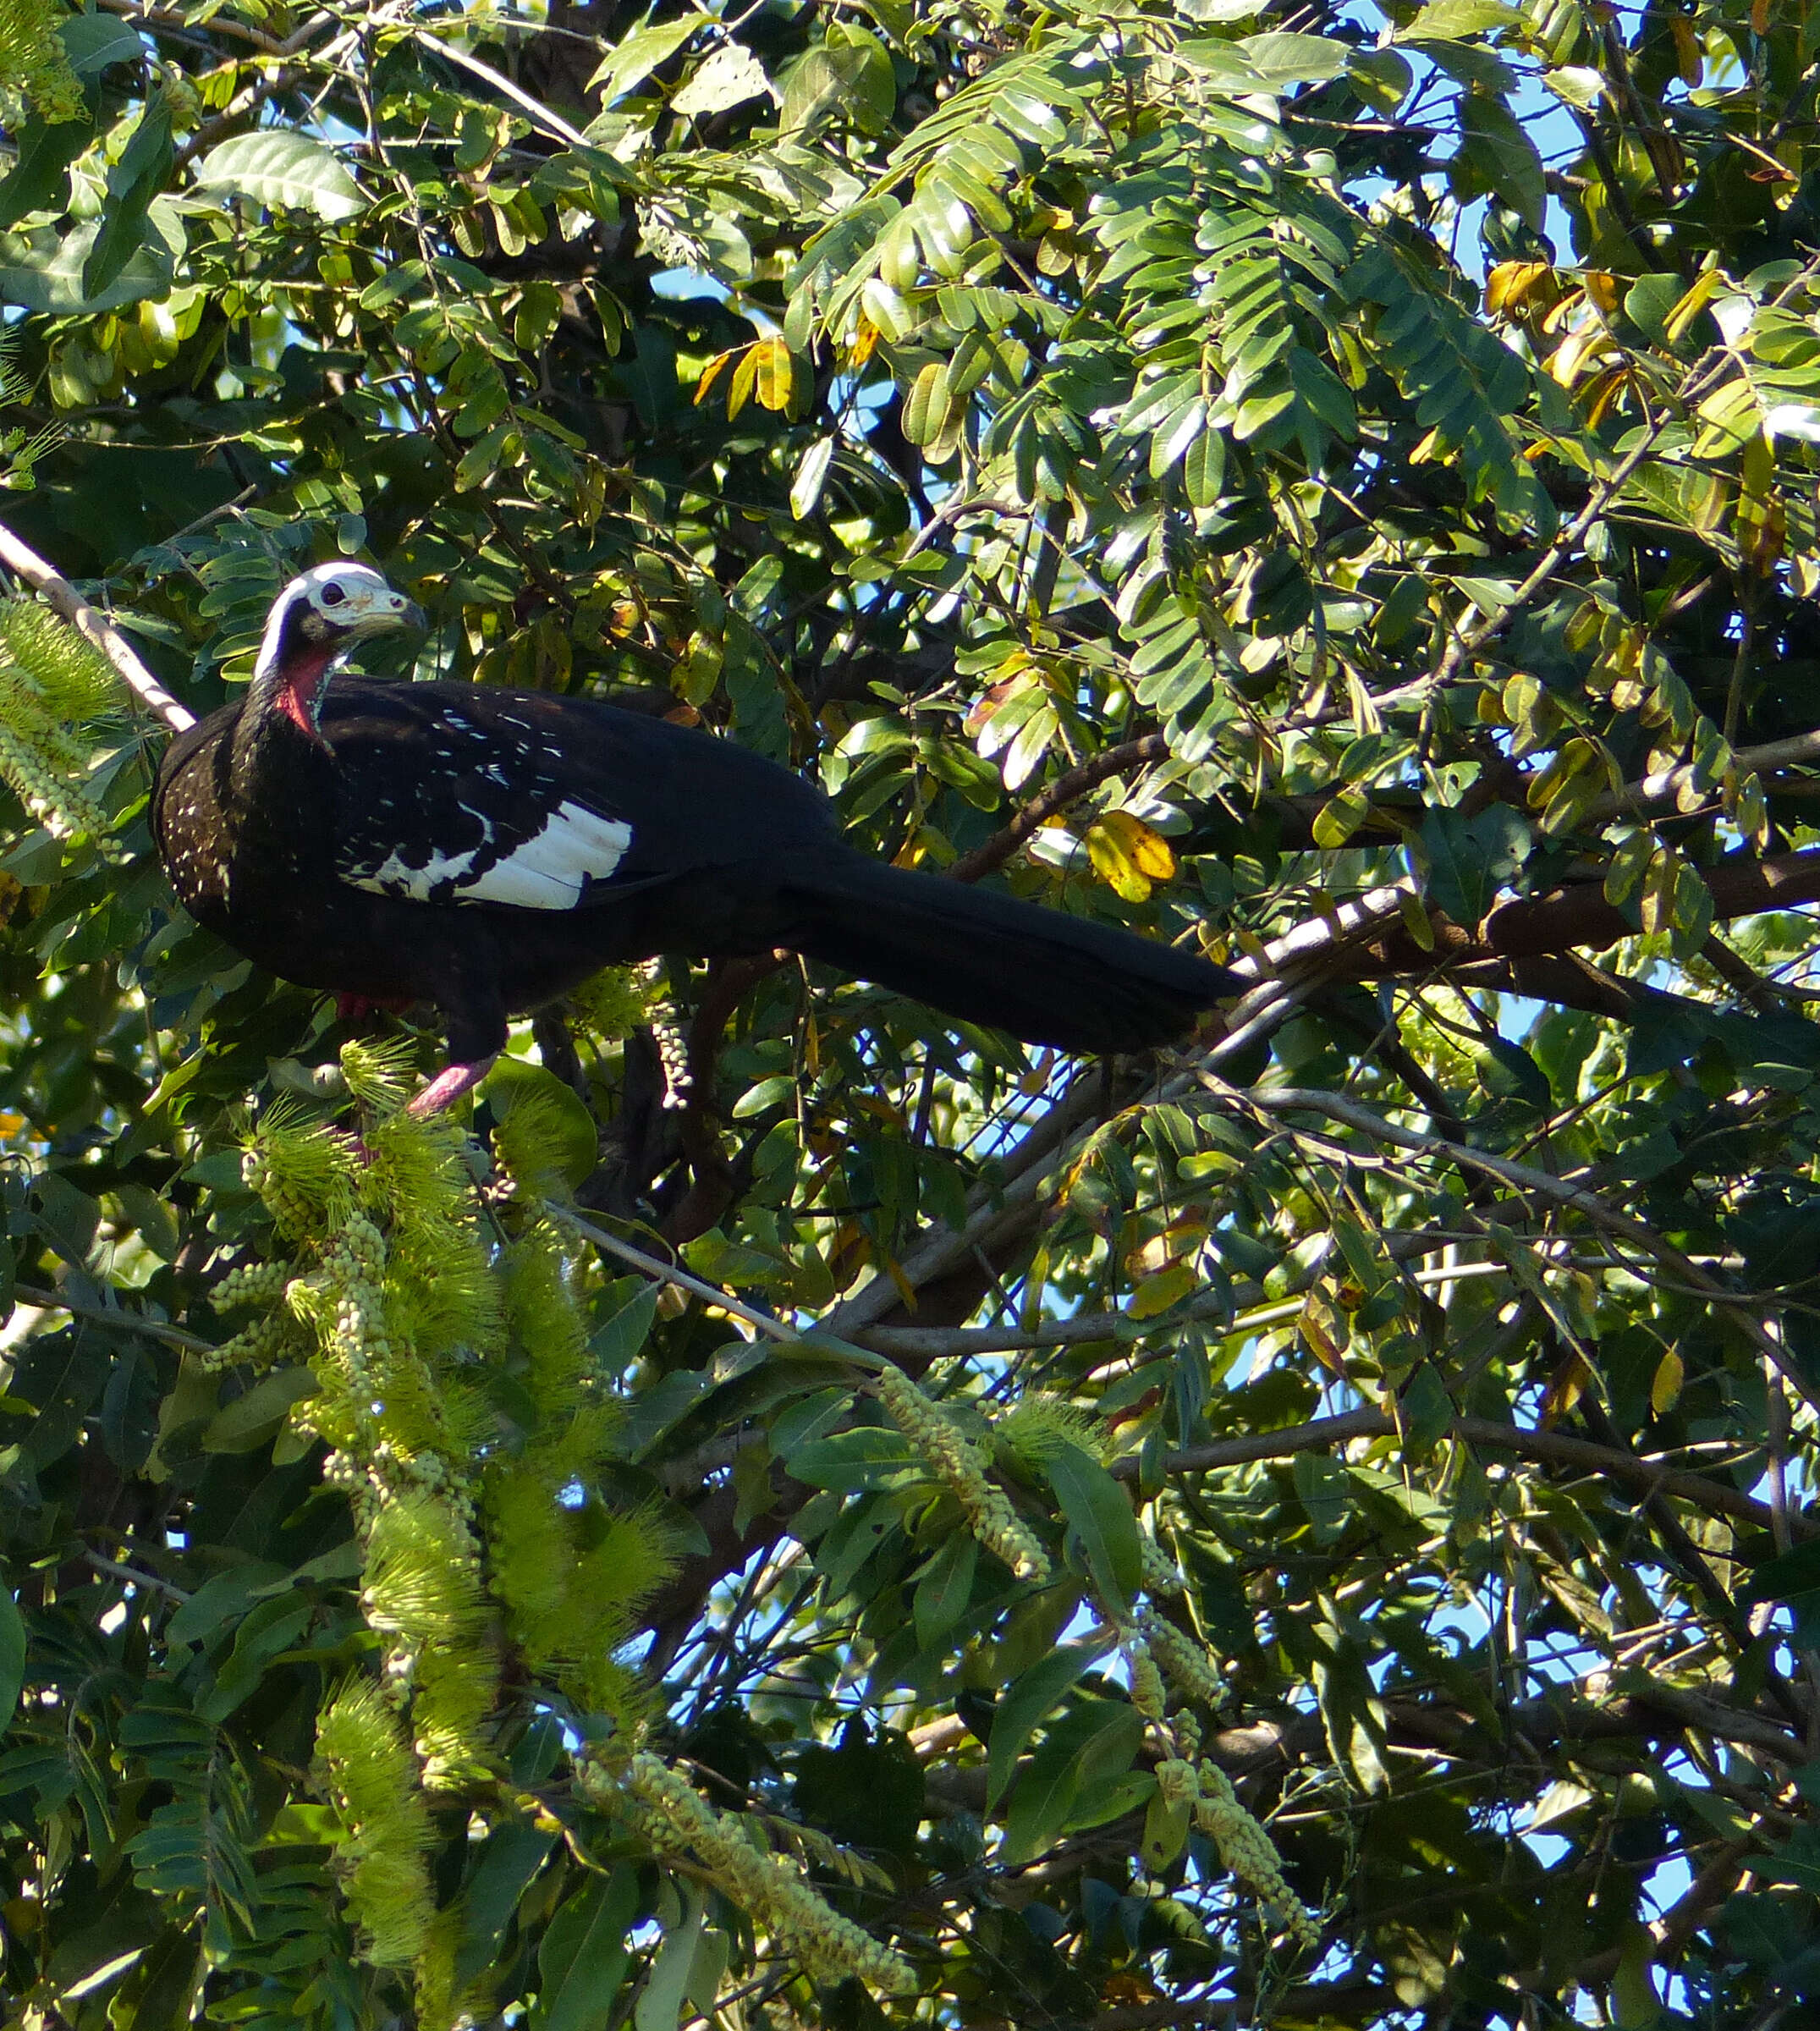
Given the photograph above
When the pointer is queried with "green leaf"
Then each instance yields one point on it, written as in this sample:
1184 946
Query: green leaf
569 1140
619 1338
246 1423
12 1656
1028 1703
42 271
727 76
1496 155
1340 816
660 2002
821 81
95 42
638 54
1381 77
1347 1706
1326 1494
1283 59
1470 860
868 1456
1794 1579
1099 1512
586 1952
944 1589
1091 1756
1448 21
811 473
133 182
40 180
279 167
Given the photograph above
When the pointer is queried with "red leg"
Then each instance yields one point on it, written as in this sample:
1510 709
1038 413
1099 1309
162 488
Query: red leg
450 1084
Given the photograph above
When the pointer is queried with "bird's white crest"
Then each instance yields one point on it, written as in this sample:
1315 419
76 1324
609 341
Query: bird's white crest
345 599
549 871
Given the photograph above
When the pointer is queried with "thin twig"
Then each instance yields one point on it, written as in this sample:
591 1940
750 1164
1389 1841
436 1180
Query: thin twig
1522 1178
120 1322
1550 1449
666 1272
1664 786
1065 790
134 1578
540 115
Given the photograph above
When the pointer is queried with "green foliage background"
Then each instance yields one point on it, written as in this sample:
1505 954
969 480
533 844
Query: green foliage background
1332 483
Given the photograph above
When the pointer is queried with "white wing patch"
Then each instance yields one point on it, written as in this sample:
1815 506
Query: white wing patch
393 877
549 871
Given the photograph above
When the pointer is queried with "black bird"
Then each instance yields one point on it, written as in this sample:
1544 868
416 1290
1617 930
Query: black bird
488 849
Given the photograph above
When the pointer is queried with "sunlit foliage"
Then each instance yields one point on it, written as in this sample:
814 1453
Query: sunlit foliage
789 1514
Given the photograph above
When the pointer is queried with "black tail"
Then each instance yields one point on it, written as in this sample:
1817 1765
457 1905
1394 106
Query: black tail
1045 977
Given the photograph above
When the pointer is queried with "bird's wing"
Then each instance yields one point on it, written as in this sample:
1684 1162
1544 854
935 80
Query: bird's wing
471 804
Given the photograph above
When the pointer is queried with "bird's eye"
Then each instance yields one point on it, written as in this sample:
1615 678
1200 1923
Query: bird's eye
333 595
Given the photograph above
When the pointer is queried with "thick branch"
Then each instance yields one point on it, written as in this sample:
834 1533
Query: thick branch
95 627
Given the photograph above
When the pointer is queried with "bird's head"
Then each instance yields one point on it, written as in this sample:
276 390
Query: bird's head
318 617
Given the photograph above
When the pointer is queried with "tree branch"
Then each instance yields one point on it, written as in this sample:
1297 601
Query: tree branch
1066 790
1547 1449
1524 1178
94 627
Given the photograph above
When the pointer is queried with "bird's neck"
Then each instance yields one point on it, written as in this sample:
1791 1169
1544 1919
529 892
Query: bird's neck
276 727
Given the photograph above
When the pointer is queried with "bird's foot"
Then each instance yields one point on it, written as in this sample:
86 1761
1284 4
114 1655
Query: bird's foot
449 1085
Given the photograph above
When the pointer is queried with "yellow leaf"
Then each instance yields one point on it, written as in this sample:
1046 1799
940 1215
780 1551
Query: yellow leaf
1686 49
774 373
1340 816
743 375
1147 849
1319 1341
1665 1388
1515 286
865 343
1656 906
710 374
1158 1294
1113 864
906 1289
1415 920
1566 1386
1629 860
1675 325
1601 291
1574 352
1602 391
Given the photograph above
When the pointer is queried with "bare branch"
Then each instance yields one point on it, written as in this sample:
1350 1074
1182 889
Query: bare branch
94 627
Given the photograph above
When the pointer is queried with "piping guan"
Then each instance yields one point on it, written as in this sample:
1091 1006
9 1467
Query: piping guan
487 849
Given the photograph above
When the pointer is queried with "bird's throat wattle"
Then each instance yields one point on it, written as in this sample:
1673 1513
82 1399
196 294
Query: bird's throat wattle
299 696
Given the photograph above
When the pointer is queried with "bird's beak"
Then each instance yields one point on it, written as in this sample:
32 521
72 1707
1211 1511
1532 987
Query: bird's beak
384 616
